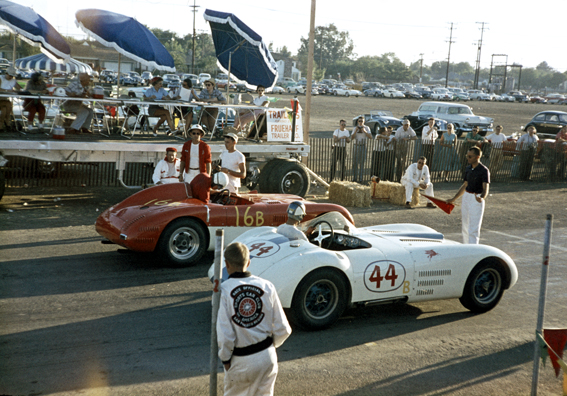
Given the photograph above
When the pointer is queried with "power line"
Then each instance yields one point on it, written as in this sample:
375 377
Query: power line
449 56
477 72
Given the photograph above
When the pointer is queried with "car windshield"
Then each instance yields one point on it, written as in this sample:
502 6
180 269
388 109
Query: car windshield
383 113
337 221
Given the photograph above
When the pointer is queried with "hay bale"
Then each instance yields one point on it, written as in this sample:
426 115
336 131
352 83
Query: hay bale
350 194
395 193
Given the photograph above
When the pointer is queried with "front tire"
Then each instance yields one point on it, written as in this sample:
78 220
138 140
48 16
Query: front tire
484 288
182 243
319 300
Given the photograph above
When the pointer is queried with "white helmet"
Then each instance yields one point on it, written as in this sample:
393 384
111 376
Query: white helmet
220 179
296 210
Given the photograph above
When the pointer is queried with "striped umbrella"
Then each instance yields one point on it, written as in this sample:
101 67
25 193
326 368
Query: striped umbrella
41 62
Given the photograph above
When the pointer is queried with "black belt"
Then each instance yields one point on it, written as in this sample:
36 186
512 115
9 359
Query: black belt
195 168
254 348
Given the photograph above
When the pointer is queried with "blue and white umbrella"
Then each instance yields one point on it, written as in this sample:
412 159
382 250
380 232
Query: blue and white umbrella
251 62
41 62
127 36
35 30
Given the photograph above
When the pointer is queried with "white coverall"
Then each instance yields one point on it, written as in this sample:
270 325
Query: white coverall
250 311
165 173
414 177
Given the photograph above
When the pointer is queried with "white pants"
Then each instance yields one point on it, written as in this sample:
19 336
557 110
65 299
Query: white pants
189 176
252 375
409 189
472 212
84 114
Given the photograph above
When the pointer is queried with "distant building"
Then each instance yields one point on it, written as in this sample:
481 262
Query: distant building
287 67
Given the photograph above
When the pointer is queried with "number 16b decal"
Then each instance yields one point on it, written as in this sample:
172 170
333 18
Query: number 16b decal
384 276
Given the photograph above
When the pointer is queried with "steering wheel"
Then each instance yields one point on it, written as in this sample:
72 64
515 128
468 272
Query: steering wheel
223 197
318 228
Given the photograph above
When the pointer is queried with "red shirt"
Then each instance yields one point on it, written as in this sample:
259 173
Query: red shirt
204 155
201 187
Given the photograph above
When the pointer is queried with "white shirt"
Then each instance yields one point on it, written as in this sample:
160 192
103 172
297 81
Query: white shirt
497 140
166 172
194 157
360 136
526 142
250 311
6 84
260 100
416 176
339 134
401 134
429 139
291 232
232 161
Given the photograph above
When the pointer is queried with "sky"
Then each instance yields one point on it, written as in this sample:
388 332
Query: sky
528 34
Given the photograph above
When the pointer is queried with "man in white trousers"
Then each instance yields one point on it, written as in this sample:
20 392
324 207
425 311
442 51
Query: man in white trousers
417 176
251 325
475 190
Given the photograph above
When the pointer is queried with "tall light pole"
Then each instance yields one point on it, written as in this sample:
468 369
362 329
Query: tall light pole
420 66
194 33
477 73
449 56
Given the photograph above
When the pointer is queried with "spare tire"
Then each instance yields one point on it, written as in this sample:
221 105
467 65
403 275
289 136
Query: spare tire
291 177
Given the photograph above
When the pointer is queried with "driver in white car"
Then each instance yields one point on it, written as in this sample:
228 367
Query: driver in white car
295 213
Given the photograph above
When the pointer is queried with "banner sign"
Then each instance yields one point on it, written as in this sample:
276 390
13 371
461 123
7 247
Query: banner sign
279 125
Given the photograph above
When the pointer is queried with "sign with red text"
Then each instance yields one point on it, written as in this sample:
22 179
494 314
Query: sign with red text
279 126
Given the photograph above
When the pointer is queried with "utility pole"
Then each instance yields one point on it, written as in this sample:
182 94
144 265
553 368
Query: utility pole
194 34
420 66
479 48
449 56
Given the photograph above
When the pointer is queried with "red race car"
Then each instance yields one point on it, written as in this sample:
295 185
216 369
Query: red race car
167 220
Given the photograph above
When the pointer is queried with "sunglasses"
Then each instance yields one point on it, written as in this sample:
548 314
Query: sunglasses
196 133
208 85
471 156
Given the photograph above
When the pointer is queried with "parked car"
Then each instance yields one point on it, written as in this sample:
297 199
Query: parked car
520 96
424 92
287 82
243 88
539 99
477 94
297 89
412 95
128 79
459 115
507 98
275 89
343 90
554 98
349 82
108 76
393 93
376 92
340 266
377 119
441 94
204 77
171 79
418 122
324 89
548 121
459 94
146 77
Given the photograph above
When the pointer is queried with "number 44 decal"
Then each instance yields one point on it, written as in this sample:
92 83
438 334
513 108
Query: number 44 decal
384 276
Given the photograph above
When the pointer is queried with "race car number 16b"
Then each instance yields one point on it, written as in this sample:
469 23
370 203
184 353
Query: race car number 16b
384 276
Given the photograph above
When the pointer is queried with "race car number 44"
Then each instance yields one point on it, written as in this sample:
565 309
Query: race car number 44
384 276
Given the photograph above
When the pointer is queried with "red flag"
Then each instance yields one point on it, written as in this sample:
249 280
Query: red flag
556 340
441 204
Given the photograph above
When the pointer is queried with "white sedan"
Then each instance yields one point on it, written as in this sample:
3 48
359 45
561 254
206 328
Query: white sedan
346 91
298 89
342 265
393 93
275 89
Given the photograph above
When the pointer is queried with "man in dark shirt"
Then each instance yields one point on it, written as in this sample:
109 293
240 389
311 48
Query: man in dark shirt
475 190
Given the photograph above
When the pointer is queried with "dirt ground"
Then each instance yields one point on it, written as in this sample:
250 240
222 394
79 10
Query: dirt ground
326 111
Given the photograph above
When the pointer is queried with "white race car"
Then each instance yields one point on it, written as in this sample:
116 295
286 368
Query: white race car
342 265
343 90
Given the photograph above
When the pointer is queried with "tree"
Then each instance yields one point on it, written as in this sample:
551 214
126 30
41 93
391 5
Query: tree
331 45
285 52
543 66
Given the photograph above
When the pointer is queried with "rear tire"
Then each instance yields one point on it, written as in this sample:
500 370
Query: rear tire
182 243
484 288
319 300
266 177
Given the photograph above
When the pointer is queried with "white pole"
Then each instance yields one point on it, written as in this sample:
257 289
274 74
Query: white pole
541 306
310 47
219 248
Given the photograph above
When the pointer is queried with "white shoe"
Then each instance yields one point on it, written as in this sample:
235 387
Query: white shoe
39 125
